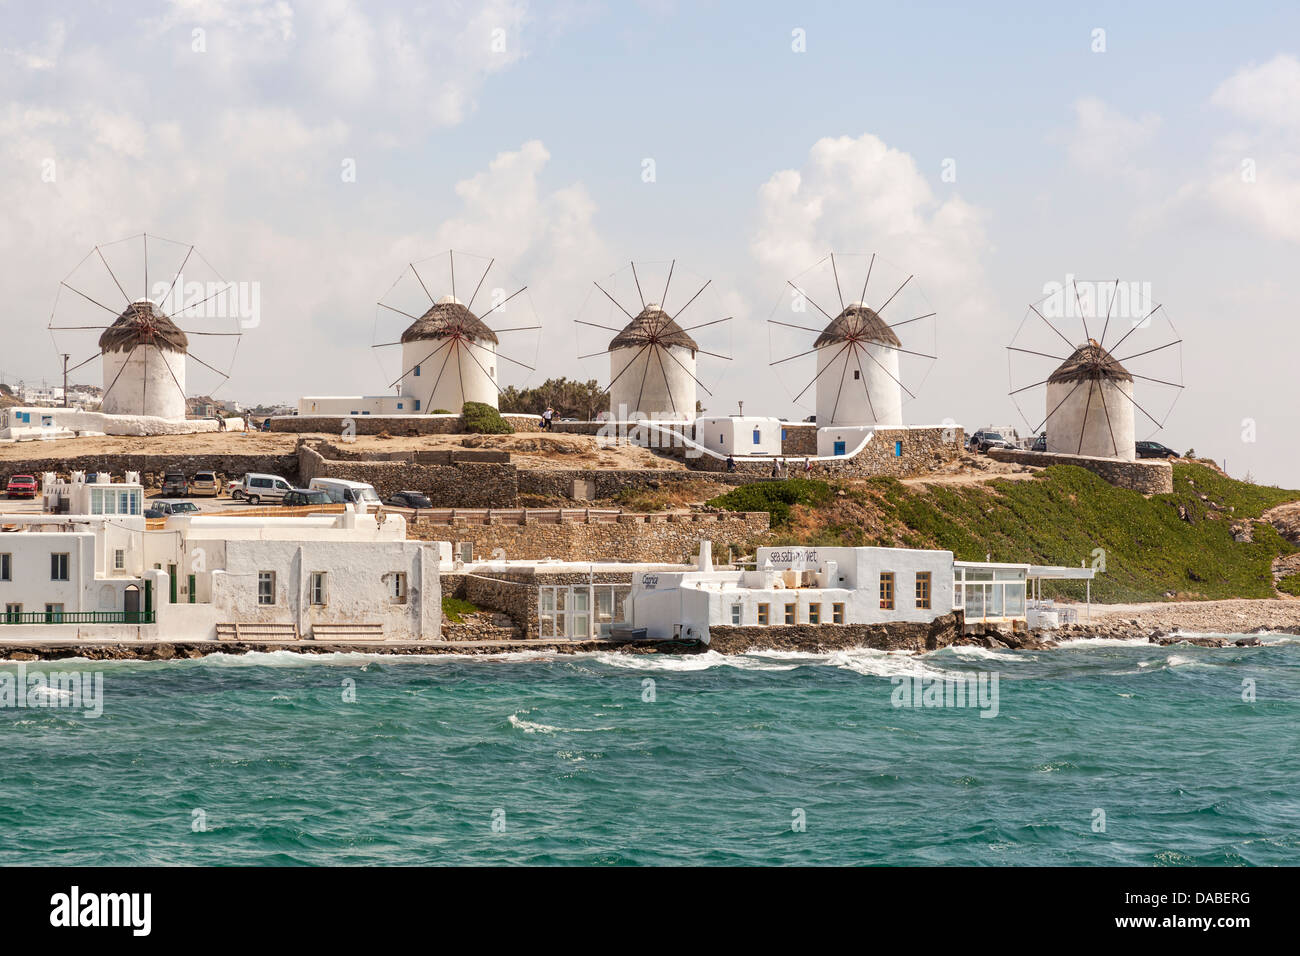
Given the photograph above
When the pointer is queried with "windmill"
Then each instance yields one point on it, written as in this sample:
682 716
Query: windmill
874 351
449 354
652 357
146 346
1107 360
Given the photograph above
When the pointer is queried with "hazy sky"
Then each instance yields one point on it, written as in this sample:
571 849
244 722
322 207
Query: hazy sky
311 150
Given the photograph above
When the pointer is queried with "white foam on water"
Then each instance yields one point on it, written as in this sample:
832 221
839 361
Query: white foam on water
533 727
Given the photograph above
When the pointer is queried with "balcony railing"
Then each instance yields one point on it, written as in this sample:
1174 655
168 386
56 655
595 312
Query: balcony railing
77 617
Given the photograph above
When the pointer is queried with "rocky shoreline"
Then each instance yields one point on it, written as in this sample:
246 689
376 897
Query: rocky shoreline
1207 624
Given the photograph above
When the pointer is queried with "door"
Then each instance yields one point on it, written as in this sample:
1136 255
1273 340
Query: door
131 604
171 582
839 448
580 618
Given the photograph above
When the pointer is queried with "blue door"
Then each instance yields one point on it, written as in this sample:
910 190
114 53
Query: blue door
839 448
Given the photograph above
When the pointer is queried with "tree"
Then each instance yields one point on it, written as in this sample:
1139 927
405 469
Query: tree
569 399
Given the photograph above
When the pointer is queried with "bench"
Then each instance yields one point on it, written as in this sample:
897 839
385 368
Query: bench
346 633
257 632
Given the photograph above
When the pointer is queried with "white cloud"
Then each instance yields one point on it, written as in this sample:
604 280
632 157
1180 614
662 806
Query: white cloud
859 195
1107 142
1268 94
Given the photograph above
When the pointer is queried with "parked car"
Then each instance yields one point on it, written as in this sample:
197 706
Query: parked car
161 509
346 492
175 483
982 441
1040 443
256 488
205 483
305 496
21 486
409 499
1153 449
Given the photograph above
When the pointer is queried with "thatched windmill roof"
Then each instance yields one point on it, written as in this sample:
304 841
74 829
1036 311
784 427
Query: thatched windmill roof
1090 361
652 326
448 317
143 323
857 323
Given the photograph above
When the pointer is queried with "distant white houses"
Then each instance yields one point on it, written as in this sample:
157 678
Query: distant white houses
92 567
740 435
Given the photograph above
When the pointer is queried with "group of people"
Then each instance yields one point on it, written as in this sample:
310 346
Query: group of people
779 469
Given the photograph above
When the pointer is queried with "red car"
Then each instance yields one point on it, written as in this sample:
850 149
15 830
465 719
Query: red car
21 486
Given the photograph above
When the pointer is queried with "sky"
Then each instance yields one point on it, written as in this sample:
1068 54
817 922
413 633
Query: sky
310 151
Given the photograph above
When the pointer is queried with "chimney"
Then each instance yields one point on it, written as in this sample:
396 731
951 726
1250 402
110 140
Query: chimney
706 555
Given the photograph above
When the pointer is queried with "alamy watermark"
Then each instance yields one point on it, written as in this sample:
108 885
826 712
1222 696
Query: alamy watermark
83 690
1084 298
210 300
977 690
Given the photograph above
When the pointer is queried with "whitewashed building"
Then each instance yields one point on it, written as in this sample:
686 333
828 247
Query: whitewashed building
92 567
1090 406
738 435
857 371
652 368
815 586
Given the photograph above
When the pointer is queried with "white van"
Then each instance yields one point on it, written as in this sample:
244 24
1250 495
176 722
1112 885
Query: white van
257 488
346 492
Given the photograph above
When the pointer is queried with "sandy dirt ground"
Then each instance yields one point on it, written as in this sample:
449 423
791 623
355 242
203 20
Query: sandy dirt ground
1235 616
531 450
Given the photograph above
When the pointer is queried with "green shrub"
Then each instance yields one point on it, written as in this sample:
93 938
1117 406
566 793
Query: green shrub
476 418
454 609
1290 584
441 411
774 497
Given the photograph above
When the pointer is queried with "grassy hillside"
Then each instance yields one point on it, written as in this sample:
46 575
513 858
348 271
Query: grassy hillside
1168 544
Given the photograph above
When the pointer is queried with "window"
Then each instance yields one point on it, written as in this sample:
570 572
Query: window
790 613
923 589
762 614
857 374
465 551
58 567
886 590
6 567
735 613
13 613
837 613
758 437
397 587
417 371
785 433
399 406
839 448
54 614
316 589
814 613
119 560
265 587
417 404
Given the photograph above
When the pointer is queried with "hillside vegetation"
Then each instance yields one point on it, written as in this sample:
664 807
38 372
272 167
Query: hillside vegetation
1175 545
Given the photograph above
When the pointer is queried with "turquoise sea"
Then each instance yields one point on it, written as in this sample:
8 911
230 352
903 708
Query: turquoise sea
760 759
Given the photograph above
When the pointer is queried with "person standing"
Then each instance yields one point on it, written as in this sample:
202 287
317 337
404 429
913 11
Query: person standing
547 416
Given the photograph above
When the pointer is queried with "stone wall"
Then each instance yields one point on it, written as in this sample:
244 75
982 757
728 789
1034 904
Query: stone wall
630 537
917 636
1150 477
800 438
469 483
923 450
392 424
152 466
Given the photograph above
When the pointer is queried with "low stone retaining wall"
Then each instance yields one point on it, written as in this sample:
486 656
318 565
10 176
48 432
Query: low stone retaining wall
1149 477
152 466
821 638
922 450
457 484
629 537
392 424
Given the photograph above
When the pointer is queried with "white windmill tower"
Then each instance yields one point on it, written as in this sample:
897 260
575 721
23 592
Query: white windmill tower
450 355
653 359
144 350
867 367
1091 406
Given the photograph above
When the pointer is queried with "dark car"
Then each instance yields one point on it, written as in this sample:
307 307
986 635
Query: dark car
983 441
408 499
1040 443
305 496
161 509
1153 449
175 483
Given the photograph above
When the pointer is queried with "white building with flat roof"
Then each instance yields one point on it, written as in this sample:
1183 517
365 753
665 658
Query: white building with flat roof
802 585
92 567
